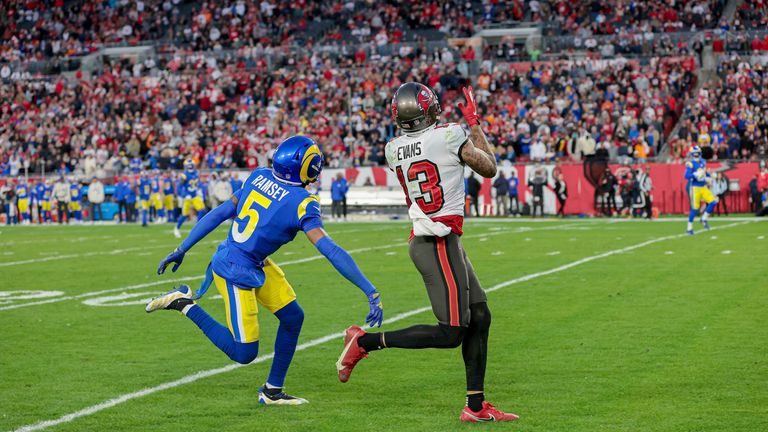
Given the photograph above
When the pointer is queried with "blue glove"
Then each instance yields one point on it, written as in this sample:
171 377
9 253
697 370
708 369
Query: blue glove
177 256
376 315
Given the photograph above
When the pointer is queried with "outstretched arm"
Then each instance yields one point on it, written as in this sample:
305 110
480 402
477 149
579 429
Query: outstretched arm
476 152
202 228
346 266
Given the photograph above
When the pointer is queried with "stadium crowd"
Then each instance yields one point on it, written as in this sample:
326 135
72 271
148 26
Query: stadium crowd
728 115
231 112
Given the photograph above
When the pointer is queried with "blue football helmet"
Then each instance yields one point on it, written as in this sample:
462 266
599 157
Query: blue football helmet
695 152
189 165
298 161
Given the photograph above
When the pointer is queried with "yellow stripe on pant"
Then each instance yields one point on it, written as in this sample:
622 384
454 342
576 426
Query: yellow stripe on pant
241 310
240 304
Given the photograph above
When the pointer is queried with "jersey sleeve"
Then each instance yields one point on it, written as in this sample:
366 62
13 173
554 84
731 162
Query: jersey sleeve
688 170
389 154
455 138
308 213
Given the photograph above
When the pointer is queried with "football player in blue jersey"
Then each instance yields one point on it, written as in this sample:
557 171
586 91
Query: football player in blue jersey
268 212
75 201
193 200
145 193
696 176
156 199
169 197
22 200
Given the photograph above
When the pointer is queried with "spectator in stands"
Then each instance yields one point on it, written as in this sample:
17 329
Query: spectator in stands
561 192
514 202
501 186
339 189
61 196
96 199
473 192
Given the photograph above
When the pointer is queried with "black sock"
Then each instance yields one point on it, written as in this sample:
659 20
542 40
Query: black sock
475 401
370 342
272 391
180 304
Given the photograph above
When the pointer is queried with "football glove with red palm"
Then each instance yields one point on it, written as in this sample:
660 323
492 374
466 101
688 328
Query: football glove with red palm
469 111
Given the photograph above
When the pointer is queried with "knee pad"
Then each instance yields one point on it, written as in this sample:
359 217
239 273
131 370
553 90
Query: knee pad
480 315
451 336
291 315
245 353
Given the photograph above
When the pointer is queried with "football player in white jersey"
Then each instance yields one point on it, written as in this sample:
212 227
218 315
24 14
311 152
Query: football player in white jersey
429 161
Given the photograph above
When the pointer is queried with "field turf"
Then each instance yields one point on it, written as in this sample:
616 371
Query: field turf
597 326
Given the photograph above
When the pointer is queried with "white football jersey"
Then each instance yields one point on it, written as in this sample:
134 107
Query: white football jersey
430 169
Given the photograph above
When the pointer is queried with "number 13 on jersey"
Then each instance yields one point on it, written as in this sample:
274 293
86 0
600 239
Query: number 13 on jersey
248 218
427 176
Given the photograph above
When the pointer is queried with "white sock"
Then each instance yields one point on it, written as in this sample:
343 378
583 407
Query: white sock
690 226
271 387
705 217
187 308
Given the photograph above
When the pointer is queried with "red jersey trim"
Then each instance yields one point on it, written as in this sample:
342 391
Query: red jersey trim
454 222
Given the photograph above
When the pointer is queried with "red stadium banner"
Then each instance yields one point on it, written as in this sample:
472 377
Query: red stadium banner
669 195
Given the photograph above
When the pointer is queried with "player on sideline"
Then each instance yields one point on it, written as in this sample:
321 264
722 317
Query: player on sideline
270 209
145 193
156 199
193 201
75 201
22 200
429 162
696 175
169 197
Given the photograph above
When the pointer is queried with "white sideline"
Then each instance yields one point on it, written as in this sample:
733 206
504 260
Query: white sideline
314 342
297 261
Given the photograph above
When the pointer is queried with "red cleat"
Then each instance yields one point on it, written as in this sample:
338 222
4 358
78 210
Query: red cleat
489 413
351 354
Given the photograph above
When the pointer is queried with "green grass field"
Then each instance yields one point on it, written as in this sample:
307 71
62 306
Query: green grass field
597 326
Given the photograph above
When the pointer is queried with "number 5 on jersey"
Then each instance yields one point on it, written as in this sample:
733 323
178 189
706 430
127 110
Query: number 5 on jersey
248 218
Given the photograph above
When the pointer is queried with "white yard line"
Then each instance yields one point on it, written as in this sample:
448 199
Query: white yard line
318 341
285 263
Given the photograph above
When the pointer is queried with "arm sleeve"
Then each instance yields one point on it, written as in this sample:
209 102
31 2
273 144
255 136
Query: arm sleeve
688 170
344 264
208 223
308 213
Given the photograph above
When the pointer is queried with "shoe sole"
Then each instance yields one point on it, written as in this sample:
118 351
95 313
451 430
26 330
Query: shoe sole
339 363
163 302
263 400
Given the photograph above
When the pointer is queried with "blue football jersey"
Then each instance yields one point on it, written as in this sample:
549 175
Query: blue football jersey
191 181
22 191
691 167
74 192
155 182
168 186
269 214
145 189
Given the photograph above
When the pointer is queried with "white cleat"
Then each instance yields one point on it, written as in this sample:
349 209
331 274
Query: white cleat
162 302
279 399
176 233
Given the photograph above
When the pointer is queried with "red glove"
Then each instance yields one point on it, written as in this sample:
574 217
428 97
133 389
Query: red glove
469 111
